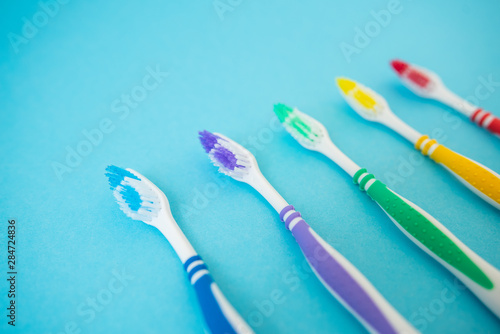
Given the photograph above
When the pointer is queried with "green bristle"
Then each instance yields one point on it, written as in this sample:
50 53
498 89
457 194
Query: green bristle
282 111
287 116
302 128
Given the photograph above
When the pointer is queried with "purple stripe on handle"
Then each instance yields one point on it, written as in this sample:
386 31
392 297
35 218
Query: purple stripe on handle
292 217
339 280
285 210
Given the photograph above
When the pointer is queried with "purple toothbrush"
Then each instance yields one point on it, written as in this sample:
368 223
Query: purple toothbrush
337 274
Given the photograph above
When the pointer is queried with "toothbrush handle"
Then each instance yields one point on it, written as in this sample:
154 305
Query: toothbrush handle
431 236
478 178
220 316
487 121
344 281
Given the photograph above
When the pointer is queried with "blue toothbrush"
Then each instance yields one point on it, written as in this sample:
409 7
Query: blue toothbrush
141 200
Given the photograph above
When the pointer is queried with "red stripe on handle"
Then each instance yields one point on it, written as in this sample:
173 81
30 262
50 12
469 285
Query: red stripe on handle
494 126
473 116
483 118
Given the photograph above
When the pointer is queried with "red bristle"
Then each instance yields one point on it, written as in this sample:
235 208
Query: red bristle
399 66
418 78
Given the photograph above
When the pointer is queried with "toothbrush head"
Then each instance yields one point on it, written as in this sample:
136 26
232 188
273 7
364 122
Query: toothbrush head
419 80
399 66
368 104
303 128
137 197
231 158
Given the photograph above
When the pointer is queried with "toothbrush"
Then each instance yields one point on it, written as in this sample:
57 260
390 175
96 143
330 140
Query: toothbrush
336 273
419 226
427 84
371 106
141 200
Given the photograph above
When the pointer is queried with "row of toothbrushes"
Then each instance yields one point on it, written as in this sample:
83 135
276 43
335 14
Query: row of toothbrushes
481 180
141 200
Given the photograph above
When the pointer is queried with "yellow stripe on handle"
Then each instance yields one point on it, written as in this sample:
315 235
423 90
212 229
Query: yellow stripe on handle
481 180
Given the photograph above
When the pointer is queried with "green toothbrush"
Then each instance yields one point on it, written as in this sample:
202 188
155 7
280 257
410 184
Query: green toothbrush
420 227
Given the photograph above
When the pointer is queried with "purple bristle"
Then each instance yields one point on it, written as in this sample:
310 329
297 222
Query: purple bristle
208 140
226 158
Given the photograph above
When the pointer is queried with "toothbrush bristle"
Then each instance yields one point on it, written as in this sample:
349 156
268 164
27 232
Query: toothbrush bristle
208 140
282 111
367 103
399 66
306 130
116 175
345 85
226 158
135 198
418 78
412 74
226 154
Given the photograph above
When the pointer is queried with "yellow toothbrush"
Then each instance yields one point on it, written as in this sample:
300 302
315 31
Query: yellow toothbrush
371 106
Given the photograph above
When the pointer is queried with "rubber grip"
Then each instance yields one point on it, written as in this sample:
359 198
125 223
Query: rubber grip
481 180
430 235
344 281
421 228
494 126
219 315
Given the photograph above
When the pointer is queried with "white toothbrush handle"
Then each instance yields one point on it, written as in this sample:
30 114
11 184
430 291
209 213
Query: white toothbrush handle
477 115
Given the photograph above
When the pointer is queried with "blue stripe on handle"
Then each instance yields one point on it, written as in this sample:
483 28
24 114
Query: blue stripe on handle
214 317
195 270
191 260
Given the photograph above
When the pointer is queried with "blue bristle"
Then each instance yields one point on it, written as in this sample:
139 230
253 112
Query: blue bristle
116 175
133 192
131 197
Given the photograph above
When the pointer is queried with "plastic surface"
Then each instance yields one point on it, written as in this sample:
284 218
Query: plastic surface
494 126
430 235
343 280
481 180
486 120
219 315
423 230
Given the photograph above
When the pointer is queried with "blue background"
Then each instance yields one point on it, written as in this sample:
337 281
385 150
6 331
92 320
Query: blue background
224 76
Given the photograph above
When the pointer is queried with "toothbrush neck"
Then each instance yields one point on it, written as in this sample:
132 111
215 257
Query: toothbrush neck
330 150
176 238
454 101
269 193
403 129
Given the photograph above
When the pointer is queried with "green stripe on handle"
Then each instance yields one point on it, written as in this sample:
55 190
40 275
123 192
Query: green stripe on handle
422 229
